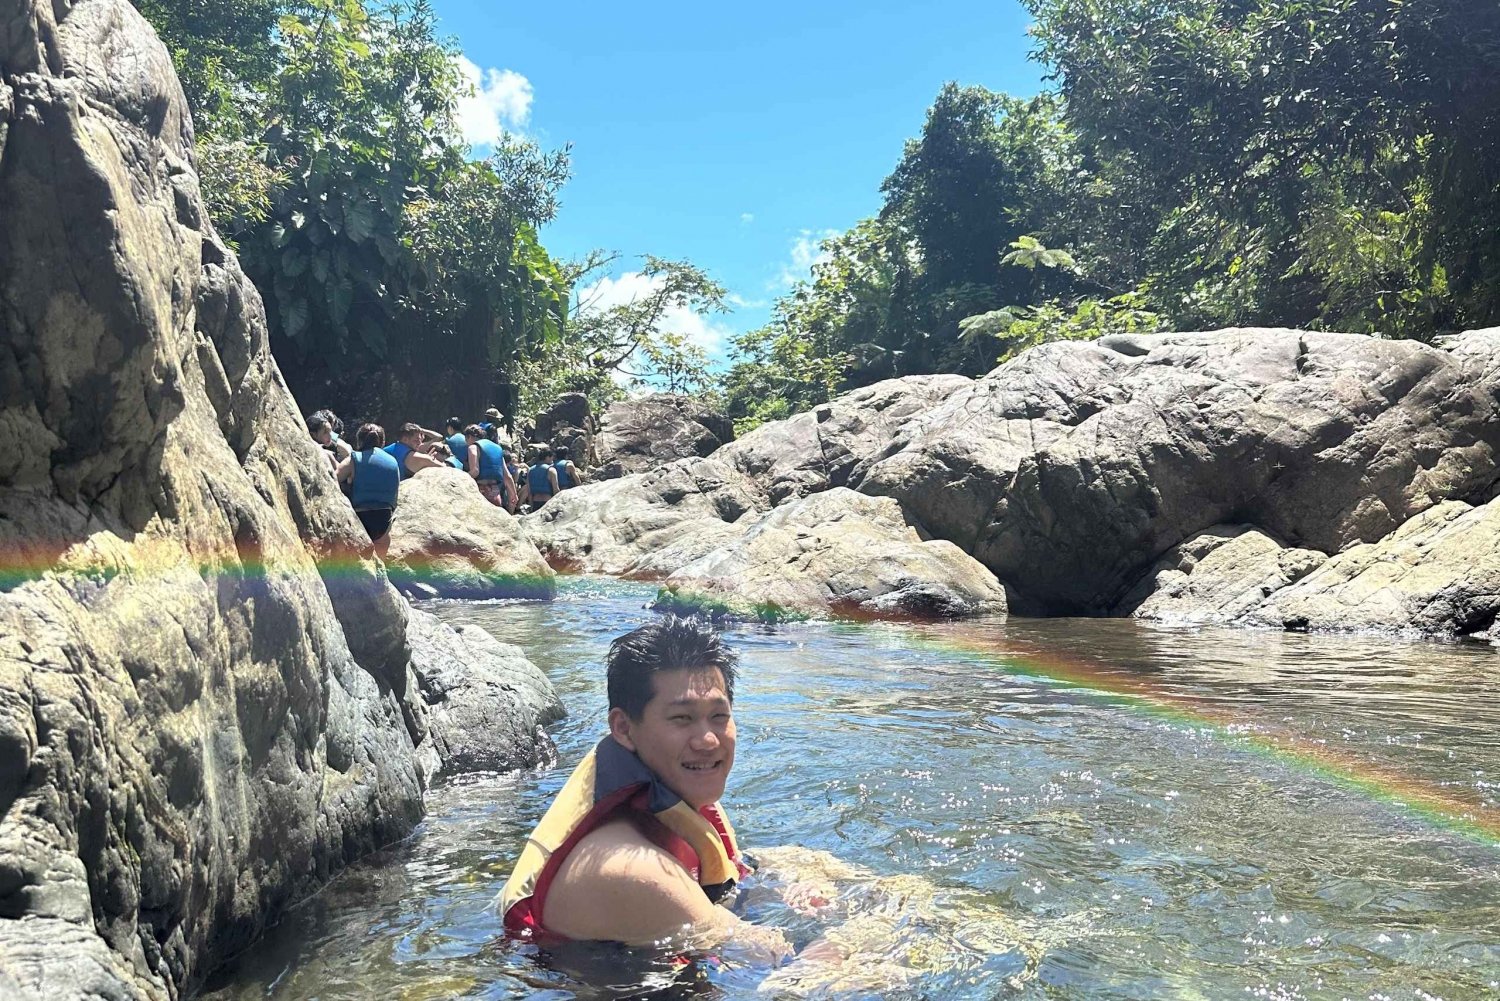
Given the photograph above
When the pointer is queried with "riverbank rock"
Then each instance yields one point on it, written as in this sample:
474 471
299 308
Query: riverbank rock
640 435
817 450
202 671
835 552
1439 573
1218 576
483 702
448 541
607 527
1071 469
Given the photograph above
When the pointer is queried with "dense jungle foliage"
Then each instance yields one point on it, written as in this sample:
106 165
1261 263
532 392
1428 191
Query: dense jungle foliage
1329 164
330 156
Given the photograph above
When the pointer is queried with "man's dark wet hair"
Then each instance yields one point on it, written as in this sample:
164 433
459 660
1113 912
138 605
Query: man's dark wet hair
561 451
317 422
408 429
670 643
370 436
473 431
453 425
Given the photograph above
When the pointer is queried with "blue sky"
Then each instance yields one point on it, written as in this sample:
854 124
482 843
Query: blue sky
734 136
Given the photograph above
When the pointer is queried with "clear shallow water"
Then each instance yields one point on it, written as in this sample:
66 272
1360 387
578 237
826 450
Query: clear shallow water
1034 809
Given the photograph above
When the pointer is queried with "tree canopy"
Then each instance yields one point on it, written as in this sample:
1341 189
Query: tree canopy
1328 164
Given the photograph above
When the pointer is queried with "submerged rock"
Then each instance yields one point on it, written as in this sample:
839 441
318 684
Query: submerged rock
640 435
448 541
835 552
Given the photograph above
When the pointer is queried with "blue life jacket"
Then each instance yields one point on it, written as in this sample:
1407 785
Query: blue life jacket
536 480
377 480
399 452
453 461
564 474
459 446
491 460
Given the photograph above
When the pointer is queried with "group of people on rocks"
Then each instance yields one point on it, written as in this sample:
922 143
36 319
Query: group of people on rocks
370 471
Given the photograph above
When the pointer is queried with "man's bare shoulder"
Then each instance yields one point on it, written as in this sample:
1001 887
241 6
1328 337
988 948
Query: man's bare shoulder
616 884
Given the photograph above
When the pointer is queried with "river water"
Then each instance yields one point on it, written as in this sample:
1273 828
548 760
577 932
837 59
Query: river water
1030 809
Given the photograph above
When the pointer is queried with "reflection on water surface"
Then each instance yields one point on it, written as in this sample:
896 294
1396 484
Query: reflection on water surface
1030 809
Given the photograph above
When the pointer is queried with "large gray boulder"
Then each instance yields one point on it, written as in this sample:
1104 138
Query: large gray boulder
448 541
607 527
1071 469
817 450
642 434
835 552
482 703
204 676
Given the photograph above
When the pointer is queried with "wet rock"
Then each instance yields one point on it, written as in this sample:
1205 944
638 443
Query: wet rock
1218 576
639 435
448 541
202 669
485 701
817 450
835 552
607 527
1439 573
1071 469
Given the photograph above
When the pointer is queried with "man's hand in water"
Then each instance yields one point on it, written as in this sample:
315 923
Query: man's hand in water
808 898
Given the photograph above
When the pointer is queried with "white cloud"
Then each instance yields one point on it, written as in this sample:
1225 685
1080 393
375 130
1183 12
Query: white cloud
699 328
500 103
746 218
805 252
740 302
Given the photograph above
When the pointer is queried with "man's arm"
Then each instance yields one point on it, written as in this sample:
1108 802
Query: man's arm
471 461
345 471
578 478
552 478
618 886
418 461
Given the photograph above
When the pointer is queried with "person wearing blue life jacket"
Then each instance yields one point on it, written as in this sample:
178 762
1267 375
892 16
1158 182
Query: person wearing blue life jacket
541 480
374 479
486 464
568 475
409 451
456 442
516 471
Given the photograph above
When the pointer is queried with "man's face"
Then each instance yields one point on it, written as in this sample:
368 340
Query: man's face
323 436
685 734
412 440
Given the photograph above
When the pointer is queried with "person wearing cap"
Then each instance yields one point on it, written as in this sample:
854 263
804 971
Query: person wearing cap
491 423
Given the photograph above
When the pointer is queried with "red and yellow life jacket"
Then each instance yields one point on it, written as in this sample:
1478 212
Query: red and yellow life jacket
609 782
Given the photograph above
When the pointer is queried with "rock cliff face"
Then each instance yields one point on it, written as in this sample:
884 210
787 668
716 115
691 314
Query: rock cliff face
207 695
640 435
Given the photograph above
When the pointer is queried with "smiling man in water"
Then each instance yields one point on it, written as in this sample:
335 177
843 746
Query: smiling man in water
636 848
